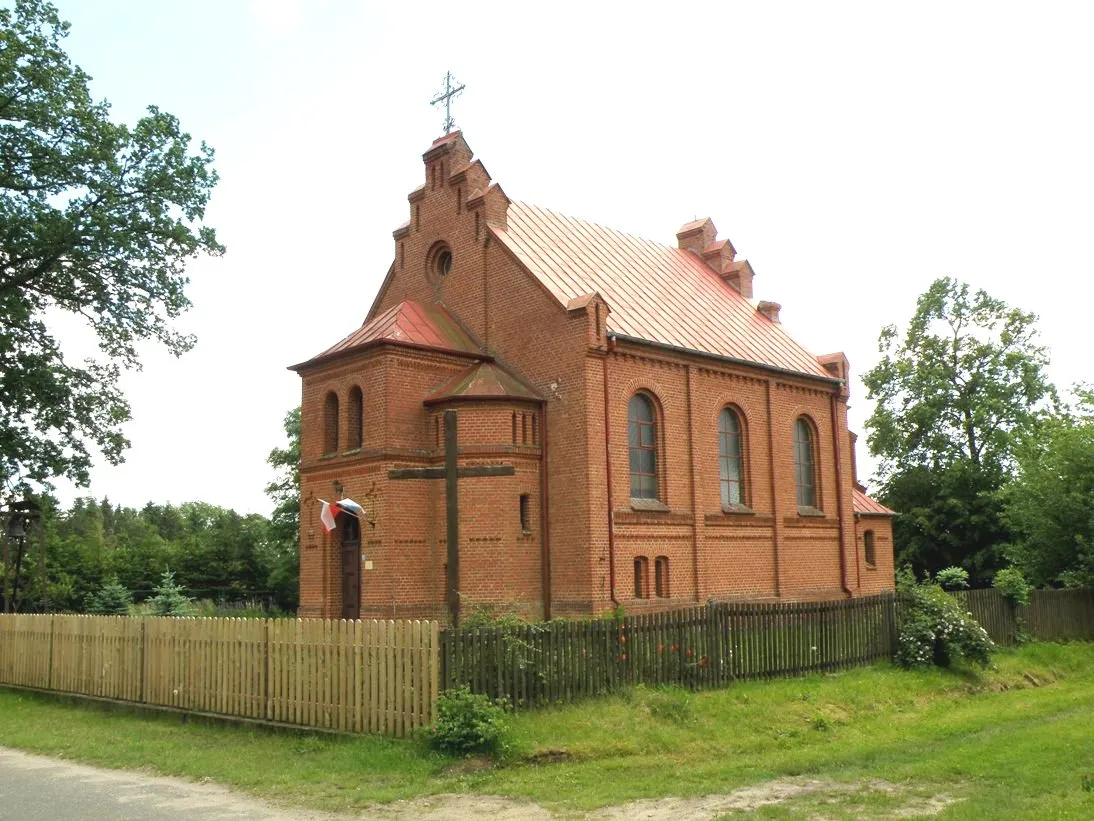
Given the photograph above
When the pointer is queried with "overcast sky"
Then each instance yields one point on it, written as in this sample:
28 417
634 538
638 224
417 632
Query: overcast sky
851 152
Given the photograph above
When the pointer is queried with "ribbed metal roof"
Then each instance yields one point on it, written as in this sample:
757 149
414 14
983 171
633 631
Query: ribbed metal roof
865 506
656 292
408 323
484 380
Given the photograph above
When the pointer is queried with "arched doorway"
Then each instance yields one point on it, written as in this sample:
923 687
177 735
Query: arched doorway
350 530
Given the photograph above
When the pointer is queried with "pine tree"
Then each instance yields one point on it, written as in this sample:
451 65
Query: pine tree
170 598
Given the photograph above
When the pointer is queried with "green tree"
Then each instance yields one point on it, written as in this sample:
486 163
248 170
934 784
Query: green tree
170 598
283 547
97 219
1050 506
112 599
956 395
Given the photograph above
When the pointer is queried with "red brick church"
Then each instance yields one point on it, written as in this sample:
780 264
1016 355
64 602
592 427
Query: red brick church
632 426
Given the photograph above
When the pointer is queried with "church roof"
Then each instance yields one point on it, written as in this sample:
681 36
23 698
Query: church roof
408 323
484 380
657 293
865 506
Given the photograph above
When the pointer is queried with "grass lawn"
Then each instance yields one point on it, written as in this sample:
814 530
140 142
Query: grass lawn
1013 742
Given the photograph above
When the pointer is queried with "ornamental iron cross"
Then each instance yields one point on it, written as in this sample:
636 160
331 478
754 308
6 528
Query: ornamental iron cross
450 90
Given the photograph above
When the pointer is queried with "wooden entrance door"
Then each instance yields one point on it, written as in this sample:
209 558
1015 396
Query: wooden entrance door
351 567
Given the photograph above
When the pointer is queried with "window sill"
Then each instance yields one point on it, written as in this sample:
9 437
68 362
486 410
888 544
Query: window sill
353 452
654 505
328 456
809 510
738 509
527 534
871 566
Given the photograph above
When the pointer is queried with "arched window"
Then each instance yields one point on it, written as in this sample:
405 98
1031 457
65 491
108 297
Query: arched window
661 577
805 473
641 577
356 418
731 463
868 544
330 424
642 429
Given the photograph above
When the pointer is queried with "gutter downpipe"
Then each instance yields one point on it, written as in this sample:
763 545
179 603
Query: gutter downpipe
839 499
608 465
544 525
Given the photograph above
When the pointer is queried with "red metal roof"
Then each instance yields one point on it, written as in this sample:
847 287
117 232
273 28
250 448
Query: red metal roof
865 506
484 380
407 323
657 293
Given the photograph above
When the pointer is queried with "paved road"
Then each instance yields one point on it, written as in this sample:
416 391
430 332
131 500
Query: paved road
33 788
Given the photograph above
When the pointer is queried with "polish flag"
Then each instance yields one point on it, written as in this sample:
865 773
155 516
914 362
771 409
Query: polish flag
327 514
332 509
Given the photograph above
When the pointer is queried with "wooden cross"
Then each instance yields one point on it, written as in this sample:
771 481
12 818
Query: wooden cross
452 473
446 96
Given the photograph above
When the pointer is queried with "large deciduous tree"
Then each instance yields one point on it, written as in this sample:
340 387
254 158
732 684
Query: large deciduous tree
956 394
97 219
1050 506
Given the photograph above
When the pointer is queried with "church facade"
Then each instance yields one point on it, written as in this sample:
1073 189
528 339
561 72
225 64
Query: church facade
633 427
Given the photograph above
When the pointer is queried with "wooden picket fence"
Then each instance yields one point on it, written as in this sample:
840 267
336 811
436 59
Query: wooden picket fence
704 647
699 647
1051 615
350 676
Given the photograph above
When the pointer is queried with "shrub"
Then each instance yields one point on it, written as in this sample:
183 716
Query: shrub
1013 585
936 630
467 723
112 599
170 600
953 578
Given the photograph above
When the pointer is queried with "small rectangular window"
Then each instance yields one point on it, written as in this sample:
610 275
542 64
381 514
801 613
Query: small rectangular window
525 514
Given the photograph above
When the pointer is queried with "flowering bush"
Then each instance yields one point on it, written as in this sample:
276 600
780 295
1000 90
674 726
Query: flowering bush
935 629
467 723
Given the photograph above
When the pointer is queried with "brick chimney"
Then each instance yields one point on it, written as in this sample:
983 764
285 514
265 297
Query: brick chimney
769 309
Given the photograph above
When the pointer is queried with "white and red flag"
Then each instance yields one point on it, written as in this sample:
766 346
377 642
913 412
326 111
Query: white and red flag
332 509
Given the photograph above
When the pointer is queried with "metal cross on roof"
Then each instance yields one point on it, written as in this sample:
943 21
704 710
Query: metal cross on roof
450 90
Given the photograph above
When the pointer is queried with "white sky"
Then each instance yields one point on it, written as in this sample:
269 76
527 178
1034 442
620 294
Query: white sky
852 152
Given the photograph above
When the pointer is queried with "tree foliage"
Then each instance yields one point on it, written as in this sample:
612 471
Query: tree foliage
964 382
956 395
1050 506
284 491
97 219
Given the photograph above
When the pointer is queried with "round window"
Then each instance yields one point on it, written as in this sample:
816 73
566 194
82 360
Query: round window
444 263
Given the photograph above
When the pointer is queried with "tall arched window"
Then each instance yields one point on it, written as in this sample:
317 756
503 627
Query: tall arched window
642 429
356 418
805 472
731 463
330 424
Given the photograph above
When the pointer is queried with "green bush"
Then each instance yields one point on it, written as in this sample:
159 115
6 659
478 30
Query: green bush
467 723
935 629
953 578
1013 585
112 599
